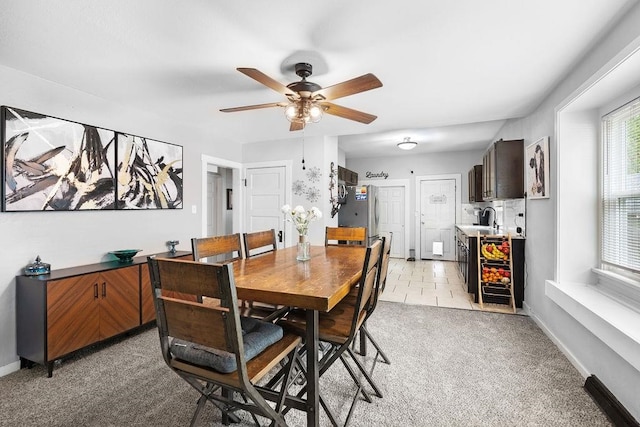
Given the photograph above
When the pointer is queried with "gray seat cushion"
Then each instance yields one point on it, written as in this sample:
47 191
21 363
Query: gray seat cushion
256 335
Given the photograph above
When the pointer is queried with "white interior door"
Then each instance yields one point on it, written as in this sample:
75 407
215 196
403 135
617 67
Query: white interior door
392 217
437 219
265 196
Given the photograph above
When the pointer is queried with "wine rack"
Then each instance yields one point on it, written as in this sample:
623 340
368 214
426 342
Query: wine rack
495 273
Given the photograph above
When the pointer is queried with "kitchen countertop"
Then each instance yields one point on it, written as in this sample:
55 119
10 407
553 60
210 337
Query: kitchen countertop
473 230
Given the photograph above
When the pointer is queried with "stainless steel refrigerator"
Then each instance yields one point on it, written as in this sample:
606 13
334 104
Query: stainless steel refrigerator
360 208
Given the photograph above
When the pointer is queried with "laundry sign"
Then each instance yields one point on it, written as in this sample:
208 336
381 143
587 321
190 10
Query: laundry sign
381 174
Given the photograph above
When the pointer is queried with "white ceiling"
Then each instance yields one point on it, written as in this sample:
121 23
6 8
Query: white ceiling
453 71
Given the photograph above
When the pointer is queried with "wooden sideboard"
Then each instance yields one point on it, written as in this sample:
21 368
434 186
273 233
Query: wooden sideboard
72 308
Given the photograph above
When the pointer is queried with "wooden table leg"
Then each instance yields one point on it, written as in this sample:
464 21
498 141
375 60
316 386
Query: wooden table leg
313 400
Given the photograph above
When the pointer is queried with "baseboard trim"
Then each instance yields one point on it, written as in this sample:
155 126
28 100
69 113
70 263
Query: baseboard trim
608 403
567 353
10 368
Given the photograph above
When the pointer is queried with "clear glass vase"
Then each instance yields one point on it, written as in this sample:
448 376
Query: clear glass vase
304 248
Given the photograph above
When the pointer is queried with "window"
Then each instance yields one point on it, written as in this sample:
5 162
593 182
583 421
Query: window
620 226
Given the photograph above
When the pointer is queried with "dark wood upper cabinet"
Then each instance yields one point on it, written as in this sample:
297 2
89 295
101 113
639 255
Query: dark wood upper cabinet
503 170
475 184
346 176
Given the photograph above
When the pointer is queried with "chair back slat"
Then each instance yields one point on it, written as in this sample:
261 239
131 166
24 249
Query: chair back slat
198 279
353 236
229 245
265 240
197 323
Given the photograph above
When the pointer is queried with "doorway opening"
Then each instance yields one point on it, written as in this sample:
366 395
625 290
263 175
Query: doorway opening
221 191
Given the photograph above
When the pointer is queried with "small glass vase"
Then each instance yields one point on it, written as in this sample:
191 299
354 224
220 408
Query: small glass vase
304 248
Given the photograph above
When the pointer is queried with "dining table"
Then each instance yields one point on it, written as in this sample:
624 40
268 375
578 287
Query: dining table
315 285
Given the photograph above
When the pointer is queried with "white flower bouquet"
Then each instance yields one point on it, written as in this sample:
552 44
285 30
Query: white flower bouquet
301 218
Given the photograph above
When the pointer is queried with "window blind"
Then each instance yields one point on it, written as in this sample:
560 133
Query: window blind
621 188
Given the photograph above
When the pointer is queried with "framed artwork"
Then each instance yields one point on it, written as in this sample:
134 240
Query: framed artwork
55 164
537 165
149 174
229 199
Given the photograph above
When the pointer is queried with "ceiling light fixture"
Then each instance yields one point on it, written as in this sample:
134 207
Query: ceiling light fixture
303 111
407 144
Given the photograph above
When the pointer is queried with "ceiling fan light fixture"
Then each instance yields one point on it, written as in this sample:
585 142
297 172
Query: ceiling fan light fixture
315 112
407 144
291 111
303 111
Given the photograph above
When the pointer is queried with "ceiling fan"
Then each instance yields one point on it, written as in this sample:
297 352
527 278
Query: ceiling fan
307 101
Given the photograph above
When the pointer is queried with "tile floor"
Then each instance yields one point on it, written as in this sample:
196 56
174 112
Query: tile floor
436 283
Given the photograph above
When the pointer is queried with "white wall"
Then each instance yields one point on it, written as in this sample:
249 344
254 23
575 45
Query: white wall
588 353
66 239
408 167
319 152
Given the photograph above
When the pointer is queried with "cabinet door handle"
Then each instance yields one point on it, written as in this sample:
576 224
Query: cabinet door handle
104 289
95 291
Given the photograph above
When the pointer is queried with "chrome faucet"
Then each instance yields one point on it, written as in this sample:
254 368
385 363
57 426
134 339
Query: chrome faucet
494 225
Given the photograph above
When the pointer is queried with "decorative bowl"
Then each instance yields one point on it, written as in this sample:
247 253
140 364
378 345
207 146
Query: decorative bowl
125 255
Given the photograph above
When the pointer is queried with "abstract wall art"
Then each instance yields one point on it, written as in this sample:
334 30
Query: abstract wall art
149 174
55 164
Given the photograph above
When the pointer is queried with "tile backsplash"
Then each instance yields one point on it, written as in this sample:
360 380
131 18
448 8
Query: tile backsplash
507 214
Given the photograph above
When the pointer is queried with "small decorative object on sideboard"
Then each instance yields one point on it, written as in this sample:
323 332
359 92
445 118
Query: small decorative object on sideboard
125 255
37 268
172 245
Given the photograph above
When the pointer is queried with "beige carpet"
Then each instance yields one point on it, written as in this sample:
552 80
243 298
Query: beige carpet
449 368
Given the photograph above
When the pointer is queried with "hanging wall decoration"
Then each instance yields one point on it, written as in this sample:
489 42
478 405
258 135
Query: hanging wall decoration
55 164
314 174
149 174
299 187
537 165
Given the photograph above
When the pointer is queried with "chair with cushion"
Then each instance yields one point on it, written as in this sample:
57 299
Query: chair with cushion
352 236
259 242
339 326
213 348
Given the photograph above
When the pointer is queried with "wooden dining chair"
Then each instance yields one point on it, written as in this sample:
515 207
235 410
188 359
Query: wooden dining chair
381 280
352 236
213 348
339 326
226 248
259 242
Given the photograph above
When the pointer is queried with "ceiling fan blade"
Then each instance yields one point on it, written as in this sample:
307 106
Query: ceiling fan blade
296 126
253 107
261 77
347 113
350 87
